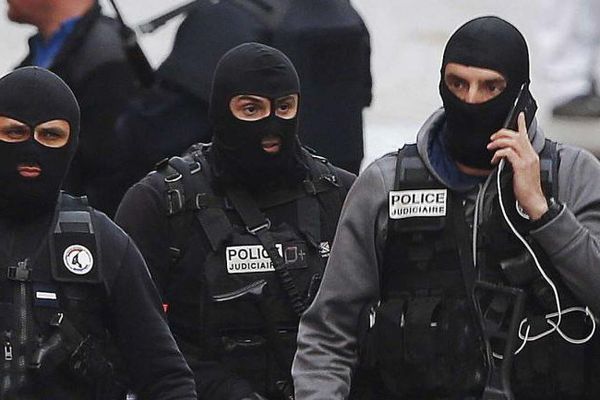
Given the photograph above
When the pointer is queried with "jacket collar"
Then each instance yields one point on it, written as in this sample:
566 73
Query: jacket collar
74 41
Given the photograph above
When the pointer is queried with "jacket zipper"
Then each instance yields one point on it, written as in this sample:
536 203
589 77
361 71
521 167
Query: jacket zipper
8 356
23 324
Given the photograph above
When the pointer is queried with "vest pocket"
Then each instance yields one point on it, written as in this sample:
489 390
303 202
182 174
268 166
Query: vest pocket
424 345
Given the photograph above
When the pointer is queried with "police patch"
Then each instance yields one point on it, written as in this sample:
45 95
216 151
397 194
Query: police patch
324 249
249 259
295 255
418 203
78 259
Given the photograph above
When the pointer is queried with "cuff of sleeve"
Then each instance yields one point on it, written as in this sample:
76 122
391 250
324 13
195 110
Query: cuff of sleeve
554 209
558 232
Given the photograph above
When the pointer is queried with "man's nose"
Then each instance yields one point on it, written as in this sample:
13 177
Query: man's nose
473 95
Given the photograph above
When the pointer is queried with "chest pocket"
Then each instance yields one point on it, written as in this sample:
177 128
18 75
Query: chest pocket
242 261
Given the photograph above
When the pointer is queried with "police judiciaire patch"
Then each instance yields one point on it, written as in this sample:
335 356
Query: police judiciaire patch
78 259
249 259
418 203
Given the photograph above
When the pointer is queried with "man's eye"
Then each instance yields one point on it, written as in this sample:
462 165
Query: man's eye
284 107
250 108
51 134
15 132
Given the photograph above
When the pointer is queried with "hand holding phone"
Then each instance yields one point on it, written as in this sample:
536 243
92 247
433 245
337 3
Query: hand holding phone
515 150
525 103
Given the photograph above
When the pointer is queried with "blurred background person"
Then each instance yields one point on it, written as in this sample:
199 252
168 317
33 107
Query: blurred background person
569 38
327 41
83 47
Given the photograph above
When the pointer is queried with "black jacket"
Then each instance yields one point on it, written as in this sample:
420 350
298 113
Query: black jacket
92 62
129 309
143 214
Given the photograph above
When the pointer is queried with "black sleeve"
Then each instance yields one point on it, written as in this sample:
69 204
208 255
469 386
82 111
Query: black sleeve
153 361
142 215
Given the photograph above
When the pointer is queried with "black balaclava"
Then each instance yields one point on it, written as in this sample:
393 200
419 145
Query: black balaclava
254 69
33 95
491 43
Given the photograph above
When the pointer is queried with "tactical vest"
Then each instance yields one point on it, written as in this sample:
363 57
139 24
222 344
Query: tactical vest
227 295
53 330
427 340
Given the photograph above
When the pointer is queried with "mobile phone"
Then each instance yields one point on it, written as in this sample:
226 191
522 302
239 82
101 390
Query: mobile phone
524 102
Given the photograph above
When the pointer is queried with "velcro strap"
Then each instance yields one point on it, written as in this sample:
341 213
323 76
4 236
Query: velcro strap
207 200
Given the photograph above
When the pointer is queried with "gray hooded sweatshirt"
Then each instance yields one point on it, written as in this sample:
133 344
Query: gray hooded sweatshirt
328 332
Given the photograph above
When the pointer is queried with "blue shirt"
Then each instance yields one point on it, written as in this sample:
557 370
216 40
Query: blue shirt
445 166
44 51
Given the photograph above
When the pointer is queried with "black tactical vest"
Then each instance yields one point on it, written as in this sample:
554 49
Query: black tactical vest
427 336
53 331
224 295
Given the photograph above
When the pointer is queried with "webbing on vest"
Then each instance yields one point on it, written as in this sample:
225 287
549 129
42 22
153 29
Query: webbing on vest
428 246
68 316
189 193
259 225
187 178
73 224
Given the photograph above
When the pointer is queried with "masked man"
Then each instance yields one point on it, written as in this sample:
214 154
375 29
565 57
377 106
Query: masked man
82 46
429 285
79 315
237 233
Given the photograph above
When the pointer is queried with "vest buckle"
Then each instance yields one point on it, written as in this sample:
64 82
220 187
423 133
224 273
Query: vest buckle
331 179
195 168
255 230
20 273
175 203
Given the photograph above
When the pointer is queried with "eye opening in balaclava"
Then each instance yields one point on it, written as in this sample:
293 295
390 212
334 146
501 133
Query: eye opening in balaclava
34 96
53 134
248 107
490 43
473 84
254 69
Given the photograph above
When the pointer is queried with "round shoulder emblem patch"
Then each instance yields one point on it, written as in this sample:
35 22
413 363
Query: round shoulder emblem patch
78 259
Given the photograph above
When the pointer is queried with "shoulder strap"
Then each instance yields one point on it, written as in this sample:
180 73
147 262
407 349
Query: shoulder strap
422 214
413 175
189 195
76 254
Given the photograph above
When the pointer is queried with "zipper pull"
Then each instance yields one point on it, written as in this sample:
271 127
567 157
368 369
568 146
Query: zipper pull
8 351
